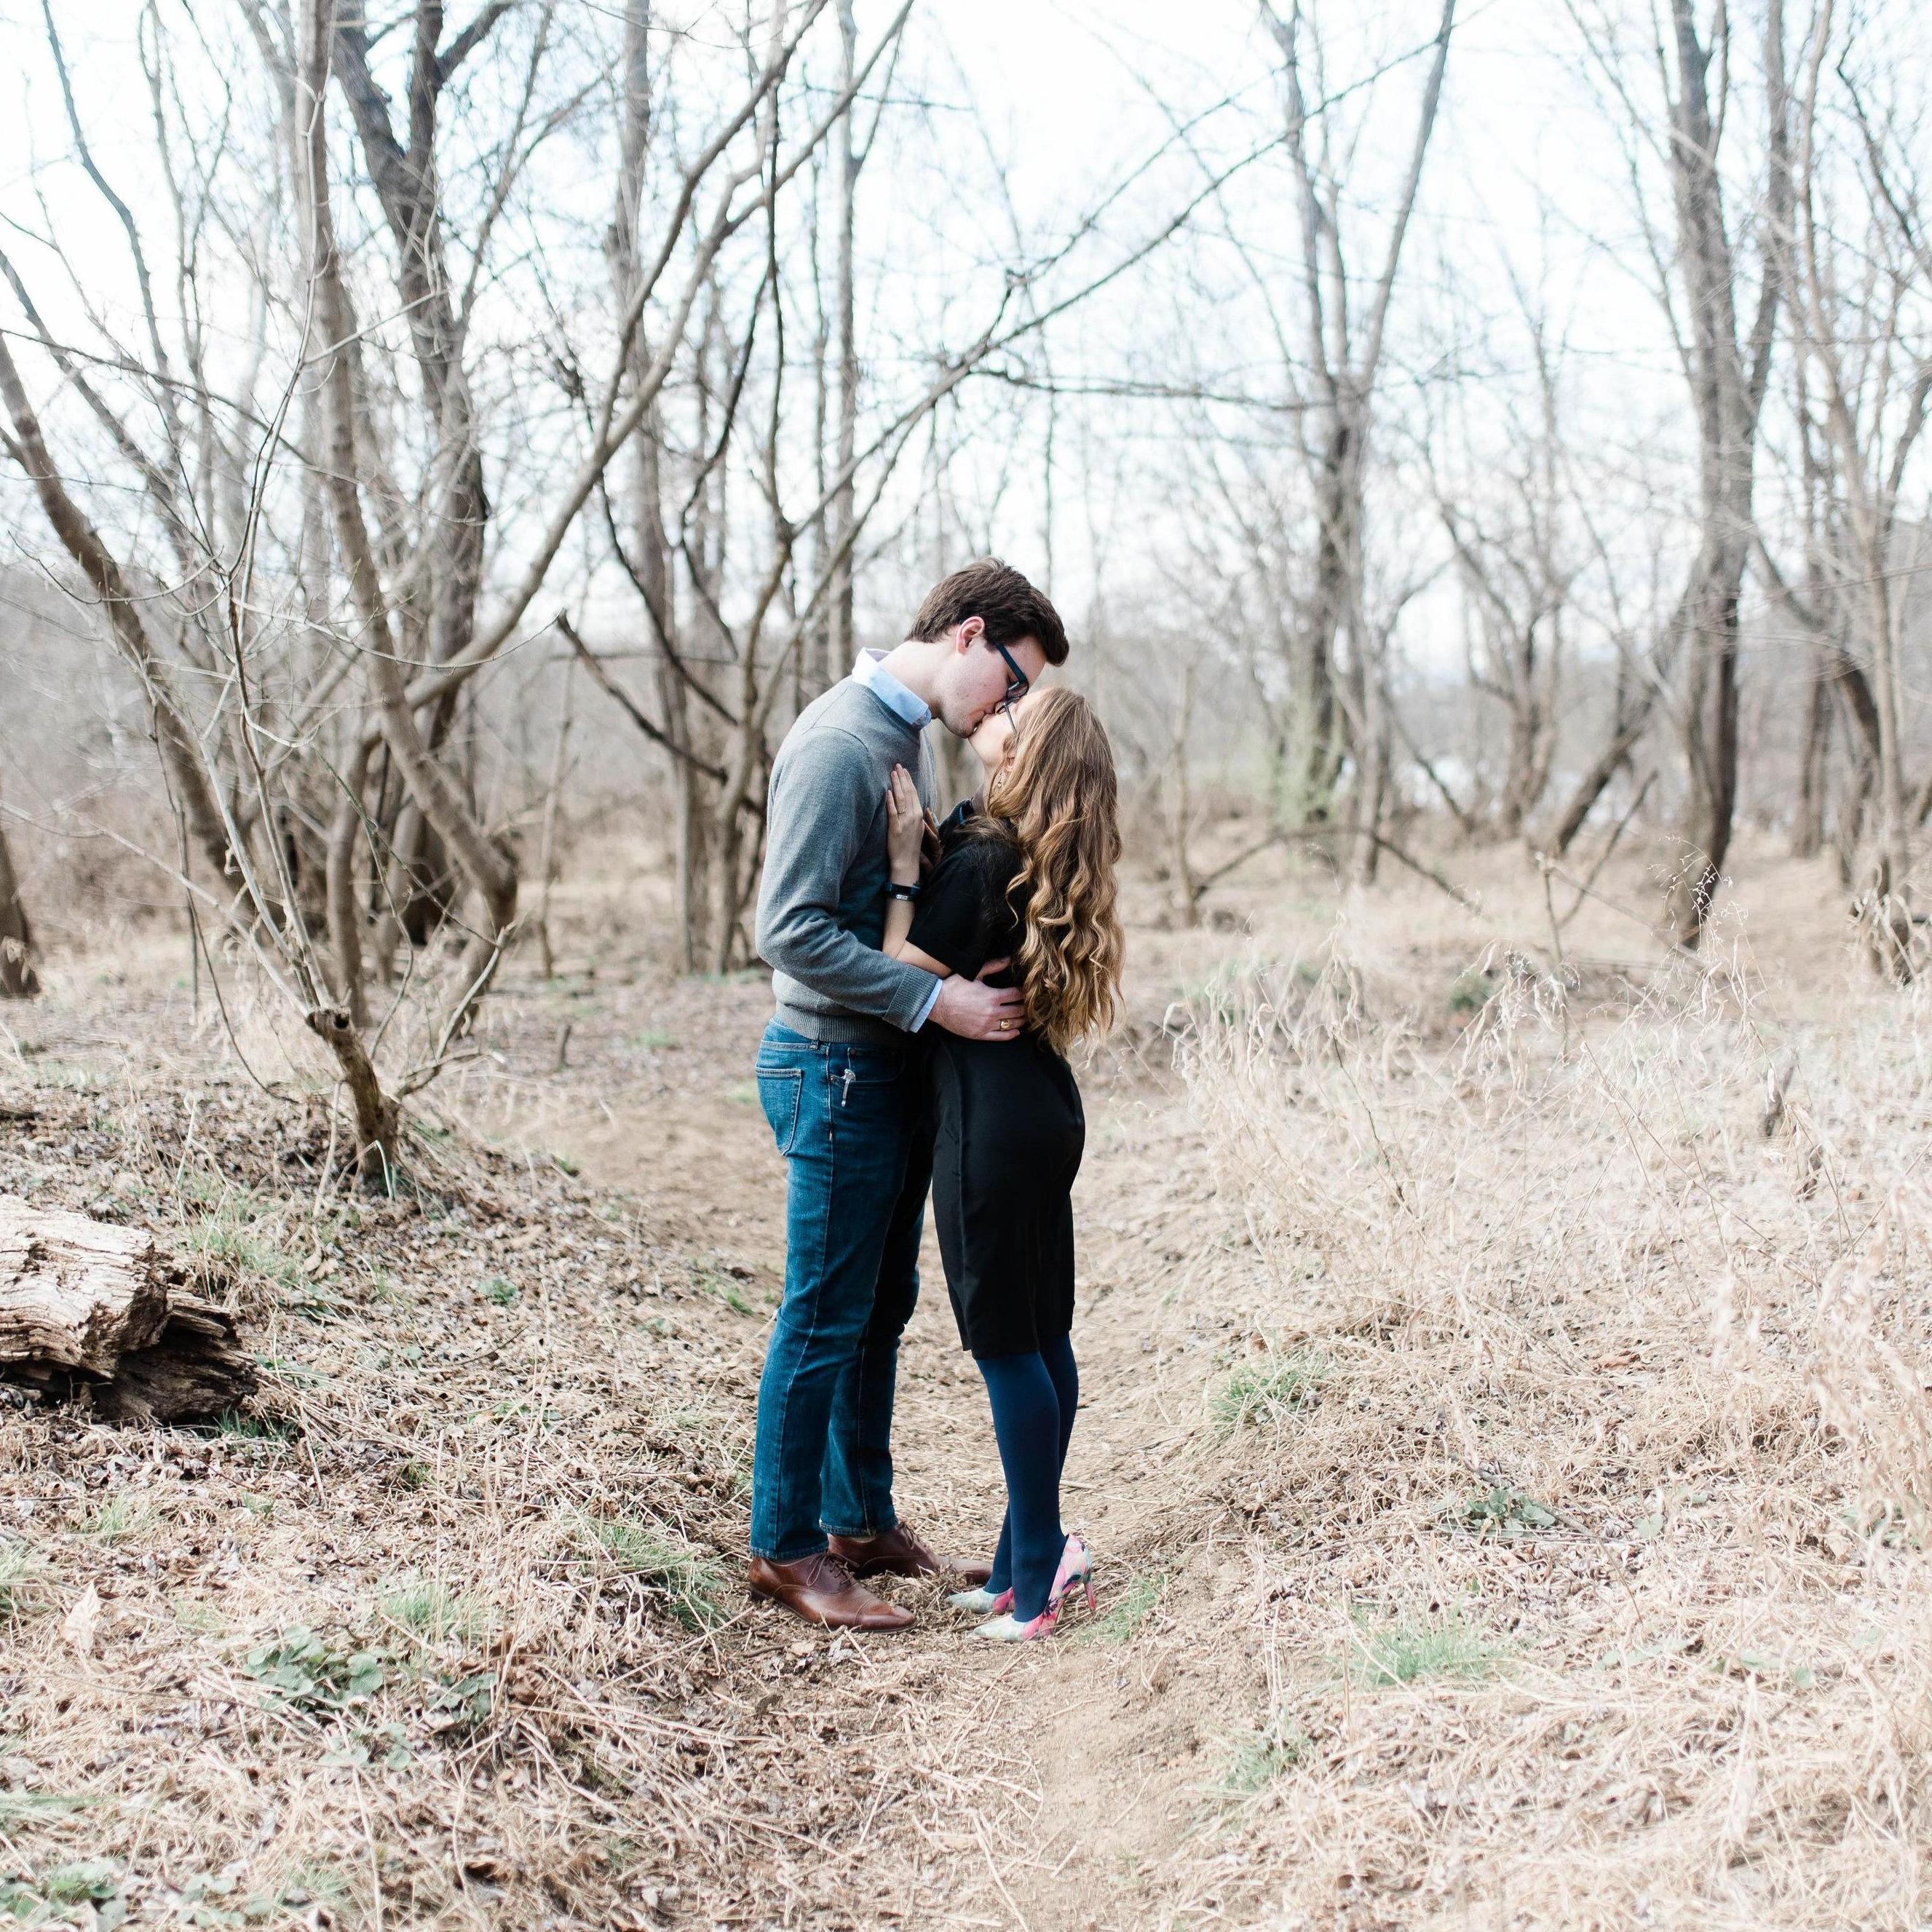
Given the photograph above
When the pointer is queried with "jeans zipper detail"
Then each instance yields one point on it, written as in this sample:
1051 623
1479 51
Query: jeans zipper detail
845 1091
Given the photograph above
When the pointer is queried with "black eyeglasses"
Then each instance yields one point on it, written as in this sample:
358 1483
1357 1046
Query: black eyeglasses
1020 683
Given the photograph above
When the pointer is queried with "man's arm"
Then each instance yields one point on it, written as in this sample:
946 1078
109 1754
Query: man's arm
822 811
962 1007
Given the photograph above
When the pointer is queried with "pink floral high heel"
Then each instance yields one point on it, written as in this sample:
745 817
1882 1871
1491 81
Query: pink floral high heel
1008 1629
982 1602
1076 1567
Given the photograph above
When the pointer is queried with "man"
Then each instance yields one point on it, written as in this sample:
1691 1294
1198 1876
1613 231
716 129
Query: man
839 1082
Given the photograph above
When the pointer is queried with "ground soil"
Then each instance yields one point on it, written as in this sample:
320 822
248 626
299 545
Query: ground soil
603 1167
558 1330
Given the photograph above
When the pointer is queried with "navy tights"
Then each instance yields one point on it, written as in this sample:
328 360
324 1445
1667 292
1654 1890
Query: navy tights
1034 1398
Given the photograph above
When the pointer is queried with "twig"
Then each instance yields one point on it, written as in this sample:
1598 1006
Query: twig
1603 857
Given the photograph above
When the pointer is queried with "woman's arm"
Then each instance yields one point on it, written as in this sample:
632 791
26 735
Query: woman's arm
905 833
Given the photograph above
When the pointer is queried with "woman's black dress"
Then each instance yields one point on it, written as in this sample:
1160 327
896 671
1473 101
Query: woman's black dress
1008 1128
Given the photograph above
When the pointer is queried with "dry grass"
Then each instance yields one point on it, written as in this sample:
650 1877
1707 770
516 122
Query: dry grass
1509 1468
1591 1574
445 1629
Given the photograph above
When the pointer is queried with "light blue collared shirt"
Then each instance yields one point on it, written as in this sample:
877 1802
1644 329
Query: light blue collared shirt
868 669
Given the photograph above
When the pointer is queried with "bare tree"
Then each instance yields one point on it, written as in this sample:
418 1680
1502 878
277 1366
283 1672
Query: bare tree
325 596
1724 334
1865 365
1336 680
1509 513
744 556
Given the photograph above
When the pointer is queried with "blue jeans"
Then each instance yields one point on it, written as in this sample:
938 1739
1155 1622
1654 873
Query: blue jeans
849 1120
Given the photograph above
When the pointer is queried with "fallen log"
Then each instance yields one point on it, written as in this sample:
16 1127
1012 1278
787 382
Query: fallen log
85 1305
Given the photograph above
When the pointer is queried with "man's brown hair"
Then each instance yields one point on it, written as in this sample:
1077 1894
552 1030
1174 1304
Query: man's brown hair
996 594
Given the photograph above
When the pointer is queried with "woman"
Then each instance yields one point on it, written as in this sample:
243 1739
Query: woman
1028 878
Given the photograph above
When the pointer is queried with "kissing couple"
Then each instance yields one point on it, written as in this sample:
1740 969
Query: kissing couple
929 979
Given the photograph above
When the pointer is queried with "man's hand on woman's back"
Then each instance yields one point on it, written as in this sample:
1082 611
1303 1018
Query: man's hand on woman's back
973 1010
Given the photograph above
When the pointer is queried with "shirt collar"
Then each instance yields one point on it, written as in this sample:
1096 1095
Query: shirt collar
868 669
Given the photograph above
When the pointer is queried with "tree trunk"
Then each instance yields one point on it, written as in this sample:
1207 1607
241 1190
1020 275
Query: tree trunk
1318 734
1727 383
17 978
839 638
1526 758
1711 641
1373 755
1807 824
378 1156
1630 721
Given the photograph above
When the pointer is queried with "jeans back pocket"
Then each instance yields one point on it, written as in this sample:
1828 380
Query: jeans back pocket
779 1089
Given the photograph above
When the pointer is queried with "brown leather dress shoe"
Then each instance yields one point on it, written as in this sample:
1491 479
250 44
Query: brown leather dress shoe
819 1589
898 1552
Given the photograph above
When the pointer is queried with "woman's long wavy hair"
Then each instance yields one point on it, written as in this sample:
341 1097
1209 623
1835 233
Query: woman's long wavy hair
1058 798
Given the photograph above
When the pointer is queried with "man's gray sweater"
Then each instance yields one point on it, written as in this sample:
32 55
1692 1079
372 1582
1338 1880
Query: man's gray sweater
822 901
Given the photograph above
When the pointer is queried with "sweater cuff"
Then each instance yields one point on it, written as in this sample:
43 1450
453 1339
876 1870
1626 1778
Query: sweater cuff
926 1011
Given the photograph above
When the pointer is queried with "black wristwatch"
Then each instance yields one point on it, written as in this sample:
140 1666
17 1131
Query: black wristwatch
894 890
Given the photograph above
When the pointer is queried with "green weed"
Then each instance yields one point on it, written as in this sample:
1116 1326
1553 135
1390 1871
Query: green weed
1504 1511
26 1579
245 1427
26 1807
462 1703
1256 1758
498 1289
1258 1395
1469 991
690 1582
231 1238
1123 1619
387 1746
119 1518
316 1884
95 1880
313 1673
435 1612
717 1282
1403 1650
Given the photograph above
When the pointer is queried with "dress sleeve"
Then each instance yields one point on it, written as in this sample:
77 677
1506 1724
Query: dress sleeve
953 921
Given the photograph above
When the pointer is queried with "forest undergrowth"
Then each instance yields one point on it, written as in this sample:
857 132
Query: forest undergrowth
1504 1430
446 1626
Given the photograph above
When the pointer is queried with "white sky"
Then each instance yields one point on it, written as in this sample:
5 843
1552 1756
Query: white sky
1526 169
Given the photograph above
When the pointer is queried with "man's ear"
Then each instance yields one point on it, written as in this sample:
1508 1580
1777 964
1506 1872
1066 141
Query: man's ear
971 631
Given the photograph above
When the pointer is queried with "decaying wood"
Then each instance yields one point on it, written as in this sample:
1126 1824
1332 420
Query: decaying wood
85 1303
195 1372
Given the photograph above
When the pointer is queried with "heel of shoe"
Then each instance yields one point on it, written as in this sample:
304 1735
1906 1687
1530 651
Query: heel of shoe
1076 1571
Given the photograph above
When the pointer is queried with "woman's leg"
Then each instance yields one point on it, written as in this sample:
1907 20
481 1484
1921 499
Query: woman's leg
1026 1423
1057 1356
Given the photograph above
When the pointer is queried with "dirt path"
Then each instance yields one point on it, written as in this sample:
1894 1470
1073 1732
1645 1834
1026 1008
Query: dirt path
1110 1728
